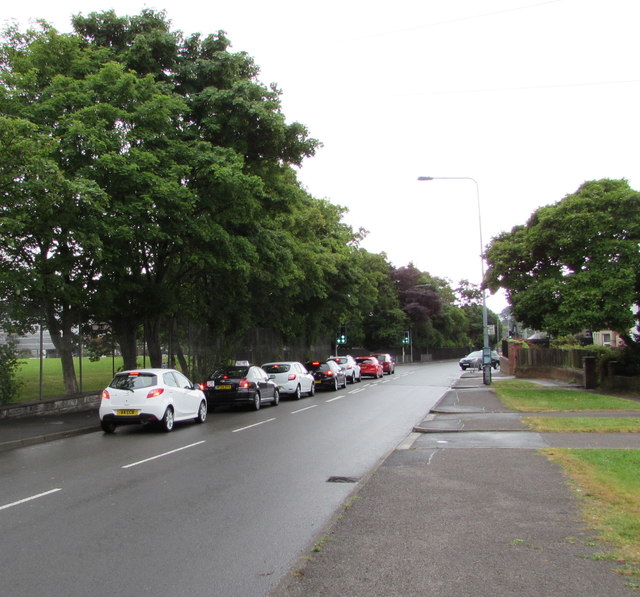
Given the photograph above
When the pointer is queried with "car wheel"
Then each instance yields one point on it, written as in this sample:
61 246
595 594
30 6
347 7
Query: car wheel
344 385
359 378
351 379
276 397
202 413
167 420
312 390
257 403
108 427
298 394
335 384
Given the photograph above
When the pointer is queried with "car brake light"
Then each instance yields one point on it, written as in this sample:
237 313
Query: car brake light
329 373
243 383
105 395
292 376
154 393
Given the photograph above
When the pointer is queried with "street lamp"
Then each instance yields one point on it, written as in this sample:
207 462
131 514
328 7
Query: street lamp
486 349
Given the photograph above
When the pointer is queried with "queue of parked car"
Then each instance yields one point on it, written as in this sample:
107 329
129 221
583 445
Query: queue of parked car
166 396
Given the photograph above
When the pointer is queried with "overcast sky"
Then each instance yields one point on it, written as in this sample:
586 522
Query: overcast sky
529 98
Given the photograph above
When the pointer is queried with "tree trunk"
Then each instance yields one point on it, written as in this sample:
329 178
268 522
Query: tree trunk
126 336
184 366
152 338
61 337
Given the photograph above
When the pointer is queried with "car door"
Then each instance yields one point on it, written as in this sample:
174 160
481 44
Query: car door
171 387
189 396
267 386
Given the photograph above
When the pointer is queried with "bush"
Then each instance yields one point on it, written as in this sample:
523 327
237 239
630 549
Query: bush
9 363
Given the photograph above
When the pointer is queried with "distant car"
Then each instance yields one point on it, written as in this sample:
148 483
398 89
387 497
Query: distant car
370 366
292 378
388 364
241 384
163 396
474 360
350 367
327 374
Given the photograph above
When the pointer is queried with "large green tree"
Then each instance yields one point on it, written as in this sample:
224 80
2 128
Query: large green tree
576 264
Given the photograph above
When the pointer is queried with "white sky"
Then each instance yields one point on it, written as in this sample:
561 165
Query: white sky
529 97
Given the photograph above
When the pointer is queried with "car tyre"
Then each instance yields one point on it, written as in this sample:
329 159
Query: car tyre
276 397
351 379
167 420
312 390
108 427
297 394
344 385
257 402
335 384
202 412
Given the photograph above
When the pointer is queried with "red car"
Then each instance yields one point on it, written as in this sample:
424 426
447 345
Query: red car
388 364
370 366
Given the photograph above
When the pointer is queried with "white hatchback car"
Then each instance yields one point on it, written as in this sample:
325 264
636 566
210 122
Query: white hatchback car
151 396
292 378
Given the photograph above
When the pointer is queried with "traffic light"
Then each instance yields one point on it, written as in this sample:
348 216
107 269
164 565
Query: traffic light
342 335
406 339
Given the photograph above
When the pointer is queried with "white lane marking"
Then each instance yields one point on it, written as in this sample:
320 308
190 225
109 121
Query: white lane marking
163 454
254 425
336 398
293 412
358 390
28 499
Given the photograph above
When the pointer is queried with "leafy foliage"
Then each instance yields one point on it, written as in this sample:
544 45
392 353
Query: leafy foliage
575 264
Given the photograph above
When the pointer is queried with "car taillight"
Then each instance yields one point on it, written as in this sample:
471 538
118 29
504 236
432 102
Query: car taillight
154 393
243 383
328 373
349 366
292 376
105 395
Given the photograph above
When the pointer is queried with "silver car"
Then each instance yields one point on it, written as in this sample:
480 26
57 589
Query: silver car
350 367
292 378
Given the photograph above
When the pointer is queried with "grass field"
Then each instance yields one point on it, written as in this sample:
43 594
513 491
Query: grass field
583 424
609 485
95 376
527 399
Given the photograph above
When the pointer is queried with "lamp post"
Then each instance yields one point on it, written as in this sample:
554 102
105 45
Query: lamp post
486 349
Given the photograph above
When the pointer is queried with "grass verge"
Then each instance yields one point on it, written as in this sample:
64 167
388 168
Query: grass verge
609 486
96 376
583 424
555 400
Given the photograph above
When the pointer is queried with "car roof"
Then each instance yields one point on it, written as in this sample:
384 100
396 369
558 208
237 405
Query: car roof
280 363
154 371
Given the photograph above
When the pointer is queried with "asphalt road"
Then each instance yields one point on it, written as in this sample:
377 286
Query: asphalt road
220 509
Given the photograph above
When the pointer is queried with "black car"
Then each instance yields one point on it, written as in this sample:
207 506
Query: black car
474 360
327 374
240 384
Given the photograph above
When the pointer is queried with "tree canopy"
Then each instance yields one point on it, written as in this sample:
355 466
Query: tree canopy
574 265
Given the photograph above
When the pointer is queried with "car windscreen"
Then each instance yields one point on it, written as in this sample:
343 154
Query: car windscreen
317 367
230 373
277 368
133 381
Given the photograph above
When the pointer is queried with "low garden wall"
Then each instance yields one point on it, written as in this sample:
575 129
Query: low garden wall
51 406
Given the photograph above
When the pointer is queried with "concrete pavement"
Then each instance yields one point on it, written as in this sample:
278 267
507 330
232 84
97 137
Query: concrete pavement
468 506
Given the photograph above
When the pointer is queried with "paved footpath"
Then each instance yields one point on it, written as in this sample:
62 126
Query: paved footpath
466 507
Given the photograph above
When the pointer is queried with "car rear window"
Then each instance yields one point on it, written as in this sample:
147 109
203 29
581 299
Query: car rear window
230 373
277 368
133 381
317 367
366 361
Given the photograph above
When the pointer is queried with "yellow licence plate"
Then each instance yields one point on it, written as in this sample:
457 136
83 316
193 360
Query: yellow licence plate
127 412
223 387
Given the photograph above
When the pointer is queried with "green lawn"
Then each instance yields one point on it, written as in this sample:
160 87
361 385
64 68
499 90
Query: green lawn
609 485
527 399
584 424
95 376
